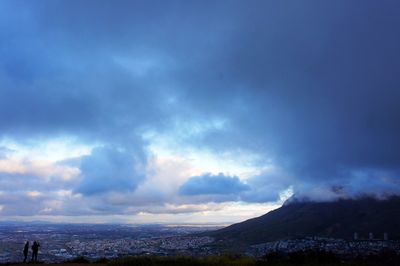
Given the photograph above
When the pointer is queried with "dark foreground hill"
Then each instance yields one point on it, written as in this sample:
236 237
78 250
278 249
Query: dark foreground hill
339 219
303 258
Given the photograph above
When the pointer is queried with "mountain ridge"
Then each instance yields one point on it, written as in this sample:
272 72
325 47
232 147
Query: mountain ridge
337 219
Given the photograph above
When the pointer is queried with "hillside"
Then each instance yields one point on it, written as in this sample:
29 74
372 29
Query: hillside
339 219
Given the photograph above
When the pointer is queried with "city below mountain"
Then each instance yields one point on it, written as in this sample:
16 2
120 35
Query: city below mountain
364 218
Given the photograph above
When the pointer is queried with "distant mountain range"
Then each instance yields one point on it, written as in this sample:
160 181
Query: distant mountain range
338 219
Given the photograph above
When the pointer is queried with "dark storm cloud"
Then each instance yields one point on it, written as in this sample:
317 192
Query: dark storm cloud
109 169
319 86
338 96
267 187
208 184
312 85
60 75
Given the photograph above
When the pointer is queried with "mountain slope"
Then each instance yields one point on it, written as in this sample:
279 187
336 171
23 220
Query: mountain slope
339 219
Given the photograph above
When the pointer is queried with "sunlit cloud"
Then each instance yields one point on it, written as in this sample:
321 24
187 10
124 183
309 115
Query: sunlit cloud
51 150
39 168
34 194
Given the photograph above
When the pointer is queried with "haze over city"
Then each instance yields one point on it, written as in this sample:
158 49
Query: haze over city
198 112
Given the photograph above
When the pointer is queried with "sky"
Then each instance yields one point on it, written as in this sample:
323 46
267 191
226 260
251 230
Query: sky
195 111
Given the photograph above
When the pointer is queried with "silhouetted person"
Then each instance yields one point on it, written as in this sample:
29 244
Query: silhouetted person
26 249
35 250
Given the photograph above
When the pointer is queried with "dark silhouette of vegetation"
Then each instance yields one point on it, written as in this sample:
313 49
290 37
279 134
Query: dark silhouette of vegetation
309 258
79 259
181 261
301 258
384 258
101 260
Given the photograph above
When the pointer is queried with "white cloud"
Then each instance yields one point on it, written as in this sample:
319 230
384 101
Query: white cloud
40 168
49 150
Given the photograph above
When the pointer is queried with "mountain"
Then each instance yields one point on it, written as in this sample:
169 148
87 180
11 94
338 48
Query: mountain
338 219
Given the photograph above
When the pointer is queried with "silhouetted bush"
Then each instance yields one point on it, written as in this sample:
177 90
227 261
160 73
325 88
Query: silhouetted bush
79 259
311 256
230 260
384 258
275 257
102 260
